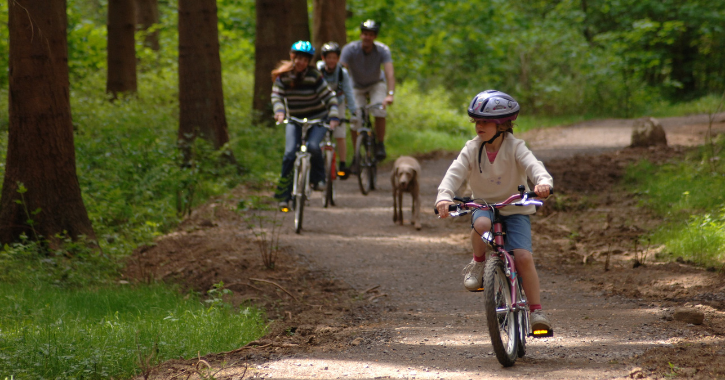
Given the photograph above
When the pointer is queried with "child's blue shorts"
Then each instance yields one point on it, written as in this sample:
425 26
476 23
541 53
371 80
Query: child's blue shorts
516 226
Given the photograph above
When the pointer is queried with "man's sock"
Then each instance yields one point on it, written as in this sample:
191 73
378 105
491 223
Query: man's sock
534 307
479 259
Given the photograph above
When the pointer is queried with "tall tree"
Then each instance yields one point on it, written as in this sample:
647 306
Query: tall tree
279 24
201 98
41 153
147 14
328 22
121 48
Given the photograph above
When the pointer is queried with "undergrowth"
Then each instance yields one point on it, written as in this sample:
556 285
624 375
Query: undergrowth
688 196
48 332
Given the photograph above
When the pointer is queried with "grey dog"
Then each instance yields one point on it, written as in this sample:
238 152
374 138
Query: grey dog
404 179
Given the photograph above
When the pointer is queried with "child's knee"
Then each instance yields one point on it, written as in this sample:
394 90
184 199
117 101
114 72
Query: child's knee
523 258
482 224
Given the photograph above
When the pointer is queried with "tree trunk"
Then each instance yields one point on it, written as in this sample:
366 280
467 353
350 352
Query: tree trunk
279 24
41 153
147 14
201 98
121 47
328 23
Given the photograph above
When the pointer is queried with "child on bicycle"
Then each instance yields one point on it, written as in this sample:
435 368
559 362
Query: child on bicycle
338 79
495 164
301 90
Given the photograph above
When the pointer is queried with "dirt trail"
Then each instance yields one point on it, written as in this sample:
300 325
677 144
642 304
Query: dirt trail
419 322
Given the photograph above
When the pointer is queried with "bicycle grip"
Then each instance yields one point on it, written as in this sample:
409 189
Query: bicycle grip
532 194
451 208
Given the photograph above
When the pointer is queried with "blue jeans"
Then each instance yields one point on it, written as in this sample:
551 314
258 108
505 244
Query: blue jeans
293 139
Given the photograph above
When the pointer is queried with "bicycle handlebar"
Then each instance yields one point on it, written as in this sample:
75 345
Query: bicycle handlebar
466 203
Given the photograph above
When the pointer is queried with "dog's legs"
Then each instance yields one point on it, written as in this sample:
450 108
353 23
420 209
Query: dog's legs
416 205
400 207
395 196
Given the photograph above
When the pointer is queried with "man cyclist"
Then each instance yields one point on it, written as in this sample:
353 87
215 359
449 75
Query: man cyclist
338 79
363 58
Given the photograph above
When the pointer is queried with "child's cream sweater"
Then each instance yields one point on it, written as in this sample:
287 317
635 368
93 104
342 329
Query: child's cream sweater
495 182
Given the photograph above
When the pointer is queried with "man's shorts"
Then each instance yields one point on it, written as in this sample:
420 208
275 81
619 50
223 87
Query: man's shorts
377 93
340 131
516 226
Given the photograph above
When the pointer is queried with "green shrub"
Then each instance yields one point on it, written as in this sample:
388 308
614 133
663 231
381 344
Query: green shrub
688 196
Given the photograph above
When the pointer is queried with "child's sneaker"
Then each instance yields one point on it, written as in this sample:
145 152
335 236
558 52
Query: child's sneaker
540 323
473 276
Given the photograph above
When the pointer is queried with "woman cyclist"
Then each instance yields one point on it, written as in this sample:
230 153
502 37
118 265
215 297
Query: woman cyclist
338 79
300 90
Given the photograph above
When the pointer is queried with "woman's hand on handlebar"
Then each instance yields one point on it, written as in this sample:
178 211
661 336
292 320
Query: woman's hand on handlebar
279 117
334 123
442 208
542 191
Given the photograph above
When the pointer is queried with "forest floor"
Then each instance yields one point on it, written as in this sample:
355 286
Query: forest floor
357 296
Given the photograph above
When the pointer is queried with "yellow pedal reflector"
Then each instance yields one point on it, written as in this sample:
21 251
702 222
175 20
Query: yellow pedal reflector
284 209
543 333
341 174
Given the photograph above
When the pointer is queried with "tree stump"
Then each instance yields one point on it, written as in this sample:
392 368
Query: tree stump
648 132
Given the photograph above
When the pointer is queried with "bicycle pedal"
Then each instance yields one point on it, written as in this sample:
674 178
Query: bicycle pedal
543 333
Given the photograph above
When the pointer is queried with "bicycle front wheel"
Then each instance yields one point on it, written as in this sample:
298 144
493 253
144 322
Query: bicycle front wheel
364 158
522 319
500 317
301 194
329 197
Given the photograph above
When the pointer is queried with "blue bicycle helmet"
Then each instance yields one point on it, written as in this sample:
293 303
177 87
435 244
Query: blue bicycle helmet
303 47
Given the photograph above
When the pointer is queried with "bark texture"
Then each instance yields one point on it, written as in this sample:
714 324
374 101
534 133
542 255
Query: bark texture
41 152
121 47
201 98
328 23
279 24
147 14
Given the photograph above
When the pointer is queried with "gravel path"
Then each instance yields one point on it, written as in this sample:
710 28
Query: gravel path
429 327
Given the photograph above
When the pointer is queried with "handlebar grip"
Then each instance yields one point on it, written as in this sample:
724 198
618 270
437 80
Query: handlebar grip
451 208
532 194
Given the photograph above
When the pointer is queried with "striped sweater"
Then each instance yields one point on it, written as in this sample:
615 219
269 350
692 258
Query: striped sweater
309 97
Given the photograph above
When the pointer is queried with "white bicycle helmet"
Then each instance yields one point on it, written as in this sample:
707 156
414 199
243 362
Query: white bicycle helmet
496 106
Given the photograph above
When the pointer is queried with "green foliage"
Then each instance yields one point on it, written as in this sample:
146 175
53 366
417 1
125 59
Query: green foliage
109 332
689 197
557 58
4 50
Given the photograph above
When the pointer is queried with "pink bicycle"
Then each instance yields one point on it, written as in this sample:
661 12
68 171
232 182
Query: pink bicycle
507 310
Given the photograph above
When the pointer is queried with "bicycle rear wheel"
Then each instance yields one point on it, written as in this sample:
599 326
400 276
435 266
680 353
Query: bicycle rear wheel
301 184
330 173
501 319
364 158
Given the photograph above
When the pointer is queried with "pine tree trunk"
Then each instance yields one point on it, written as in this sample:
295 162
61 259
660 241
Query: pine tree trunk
328 22
279 24
121 47
41 152
147 14
201 98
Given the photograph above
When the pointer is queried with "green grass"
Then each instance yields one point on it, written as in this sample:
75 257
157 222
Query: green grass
688 196
47 332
